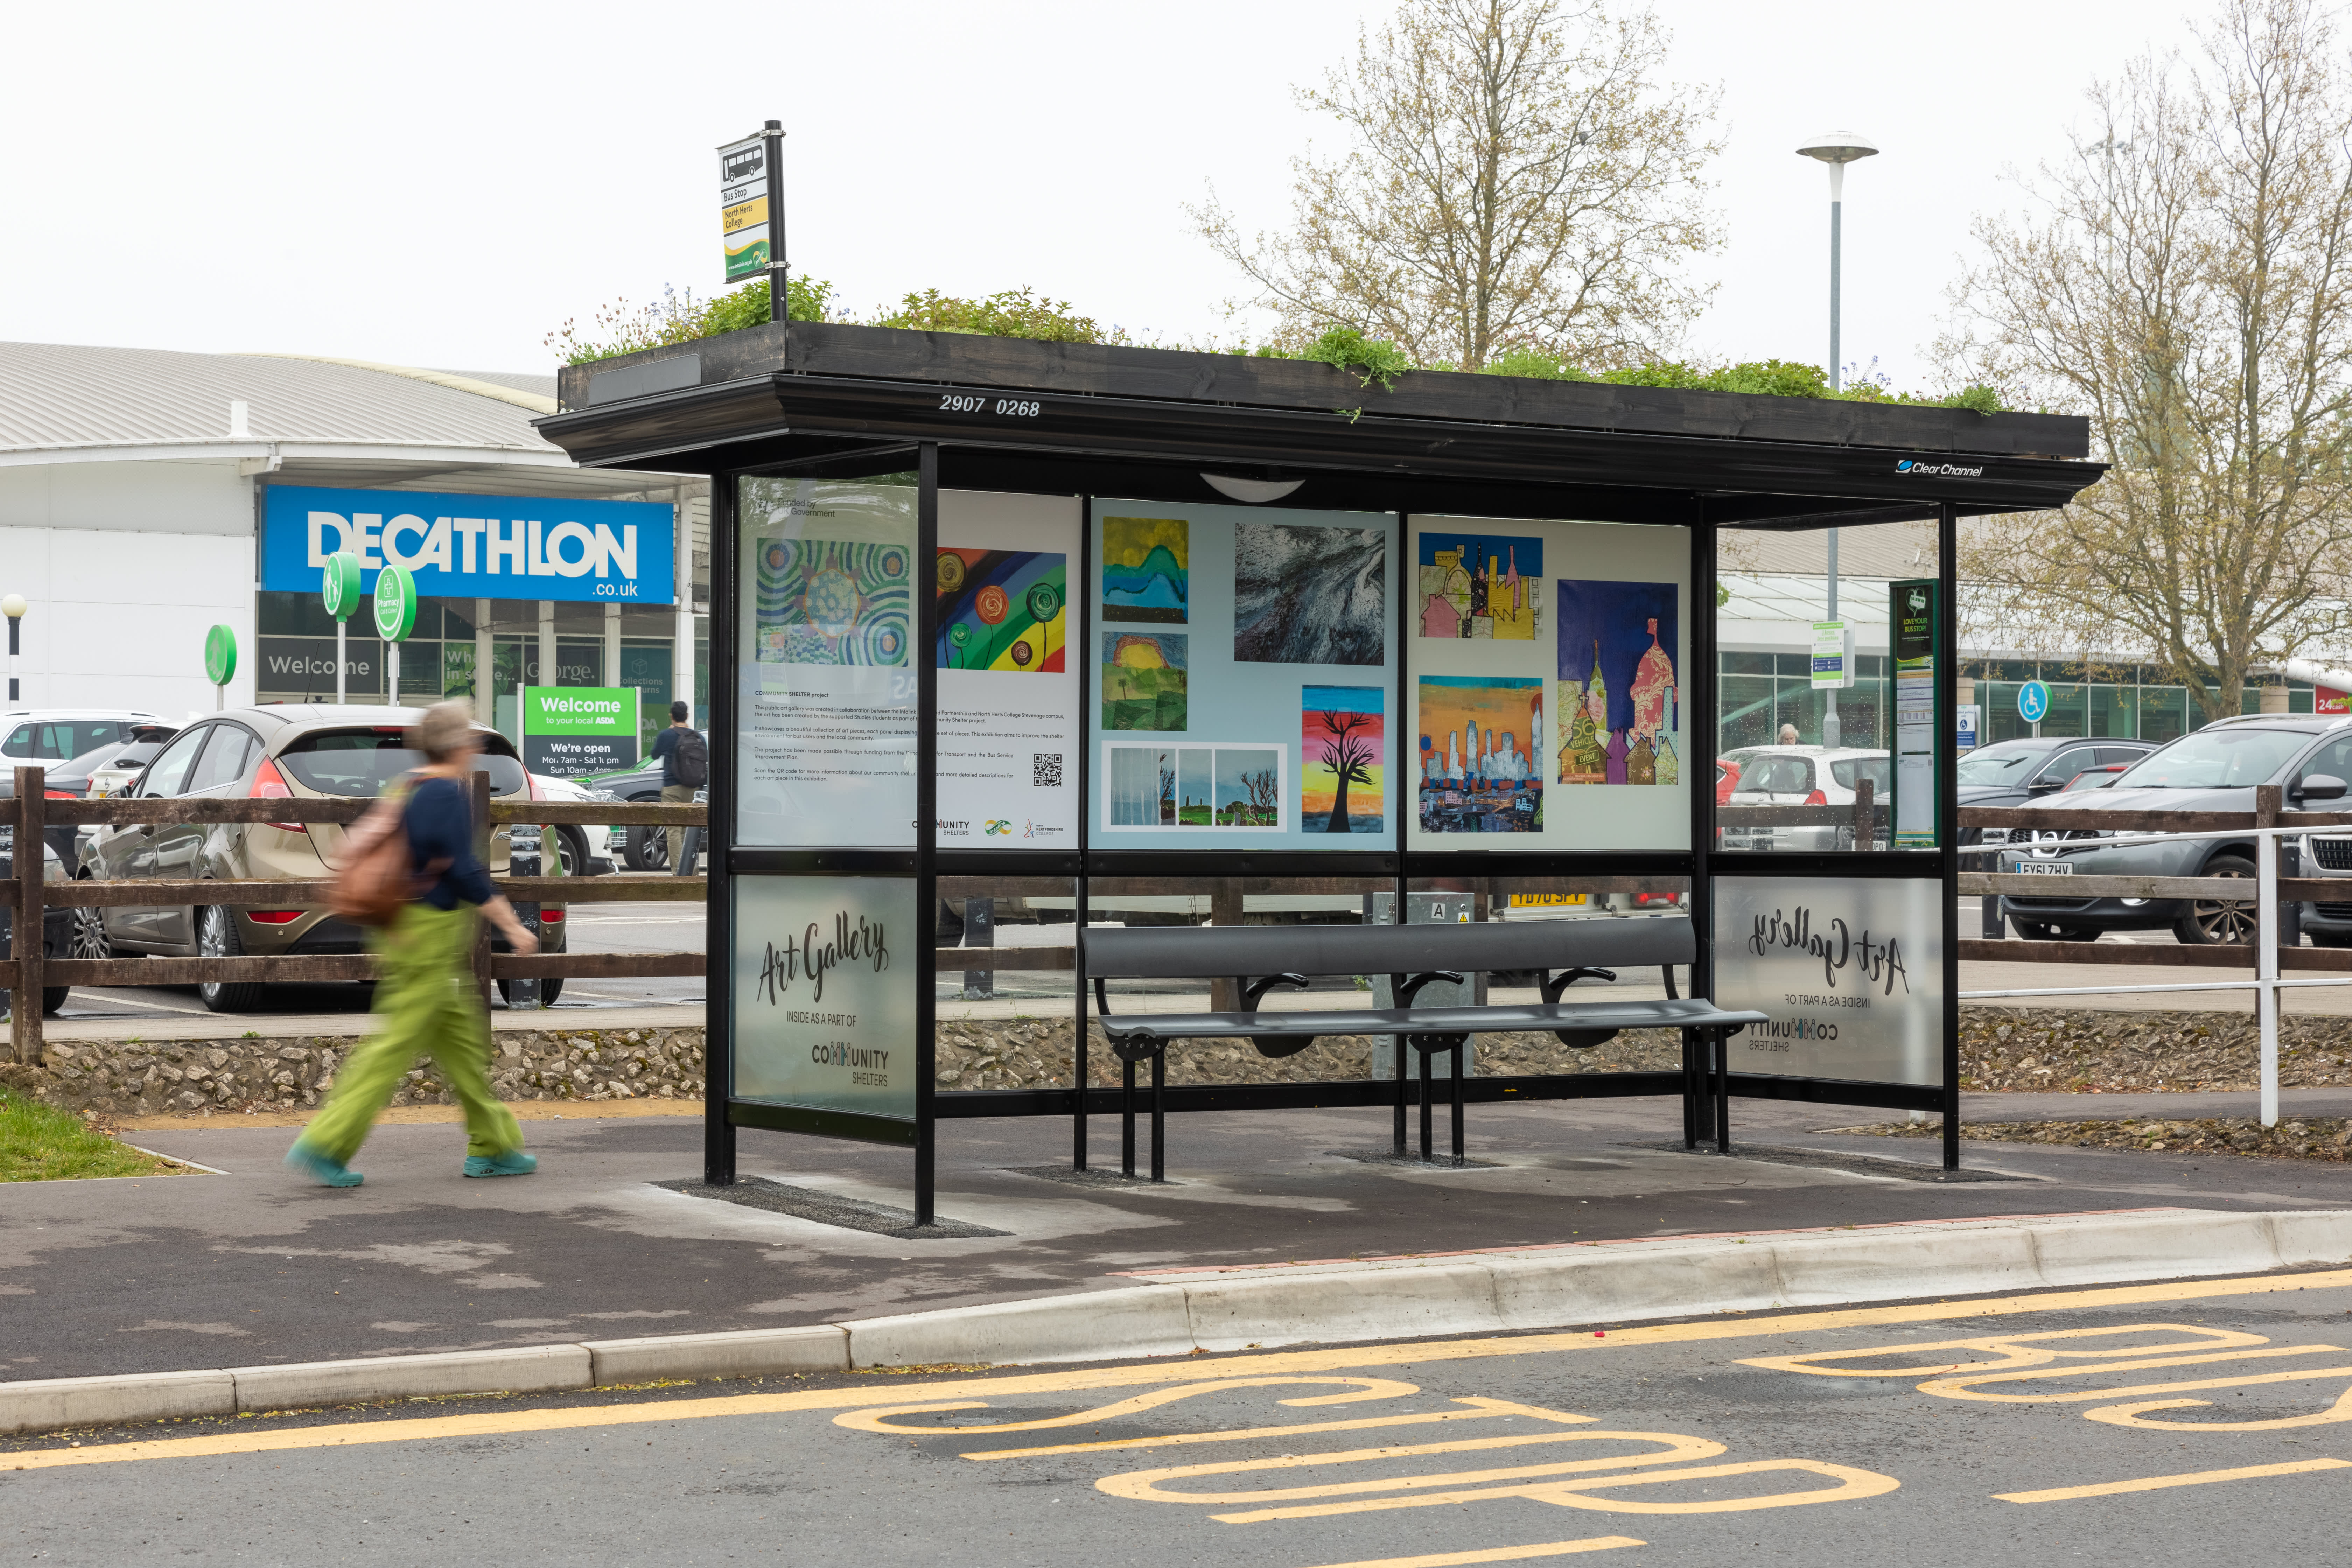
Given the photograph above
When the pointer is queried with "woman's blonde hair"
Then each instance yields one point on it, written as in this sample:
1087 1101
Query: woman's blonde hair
443 730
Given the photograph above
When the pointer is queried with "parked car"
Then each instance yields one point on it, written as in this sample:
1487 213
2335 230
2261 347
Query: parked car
124 763
74 779
2019 772
58 734
2101 777
1727 779
298 751
587 850
1803 776
2216 768
56 929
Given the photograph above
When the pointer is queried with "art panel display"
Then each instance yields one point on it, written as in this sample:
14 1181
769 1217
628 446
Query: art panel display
1620 697
1564 644
1002 610
1342 788
1480 767
1146 573
1308 595
1244 674
1479 586
833 601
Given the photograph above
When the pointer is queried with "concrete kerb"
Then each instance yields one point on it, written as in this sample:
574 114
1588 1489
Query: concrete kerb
1221 1311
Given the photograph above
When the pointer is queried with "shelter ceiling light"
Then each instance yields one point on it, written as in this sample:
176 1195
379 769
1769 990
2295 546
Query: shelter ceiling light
1256 492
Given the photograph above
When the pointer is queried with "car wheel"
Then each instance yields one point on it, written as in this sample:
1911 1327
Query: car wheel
646 848
87 935
549 990
2210 922
572 846
216 938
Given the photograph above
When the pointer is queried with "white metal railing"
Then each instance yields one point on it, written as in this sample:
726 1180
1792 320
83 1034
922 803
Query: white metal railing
2266 984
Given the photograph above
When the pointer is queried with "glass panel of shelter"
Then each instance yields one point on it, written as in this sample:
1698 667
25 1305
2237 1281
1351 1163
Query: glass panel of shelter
1807 720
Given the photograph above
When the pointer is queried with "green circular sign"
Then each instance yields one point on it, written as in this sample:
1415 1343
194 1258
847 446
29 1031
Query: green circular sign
340 585
396 604
220 656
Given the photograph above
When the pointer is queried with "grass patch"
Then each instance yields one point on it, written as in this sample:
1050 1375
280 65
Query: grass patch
41 1143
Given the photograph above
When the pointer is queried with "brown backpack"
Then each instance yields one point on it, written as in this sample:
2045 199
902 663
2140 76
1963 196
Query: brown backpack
375 878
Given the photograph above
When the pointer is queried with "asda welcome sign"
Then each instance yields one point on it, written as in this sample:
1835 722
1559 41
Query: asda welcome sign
473 546
571 731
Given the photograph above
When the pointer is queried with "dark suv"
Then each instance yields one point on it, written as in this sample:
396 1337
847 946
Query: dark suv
2028 772
2213 769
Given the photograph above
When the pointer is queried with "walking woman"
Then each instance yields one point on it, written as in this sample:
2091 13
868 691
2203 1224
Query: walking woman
426 999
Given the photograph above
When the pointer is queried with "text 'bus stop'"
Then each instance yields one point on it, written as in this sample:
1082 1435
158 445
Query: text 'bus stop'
1414 693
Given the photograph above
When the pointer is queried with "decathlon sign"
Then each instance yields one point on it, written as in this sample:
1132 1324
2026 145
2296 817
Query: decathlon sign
473 547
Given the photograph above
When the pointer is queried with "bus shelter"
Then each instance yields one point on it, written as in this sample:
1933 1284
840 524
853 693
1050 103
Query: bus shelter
1114 633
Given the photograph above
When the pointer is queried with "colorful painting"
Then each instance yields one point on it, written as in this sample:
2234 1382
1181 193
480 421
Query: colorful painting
829 601
1342 788
1146 568
1143 680
1002 610
1193 786
1310 594
1480 586
1620 696
1479 768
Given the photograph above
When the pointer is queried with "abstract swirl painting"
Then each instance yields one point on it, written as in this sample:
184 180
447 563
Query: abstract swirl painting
1308 595
827 601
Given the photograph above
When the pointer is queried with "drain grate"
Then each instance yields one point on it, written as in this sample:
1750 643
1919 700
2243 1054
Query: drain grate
829 1208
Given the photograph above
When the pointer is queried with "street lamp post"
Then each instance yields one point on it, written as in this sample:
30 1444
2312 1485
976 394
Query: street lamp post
14 607
1837 149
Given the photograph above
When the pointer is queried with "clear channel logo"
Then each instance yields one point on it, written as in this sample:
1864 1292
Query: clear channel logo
1939 470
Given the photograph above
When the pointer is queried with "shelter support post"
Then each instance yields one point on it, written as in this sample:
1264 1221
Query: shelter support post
1948 807
927 856
719 912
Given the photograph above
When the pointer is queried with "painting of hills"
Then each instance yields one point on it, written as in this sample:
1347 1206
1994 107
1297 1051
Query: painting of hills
1310 594
1144 675
1146 568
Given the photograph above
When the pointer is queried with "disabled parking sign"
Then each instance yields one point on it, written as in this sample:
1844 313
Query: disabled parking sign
2032 701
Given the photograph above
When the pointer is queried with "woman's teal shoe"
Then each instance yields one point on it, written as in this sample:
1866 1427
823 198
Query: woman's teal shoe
324 1169
513 1163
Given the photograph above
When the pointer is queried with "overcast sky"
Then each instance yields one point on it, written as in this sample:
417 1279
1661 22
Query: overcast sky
441 185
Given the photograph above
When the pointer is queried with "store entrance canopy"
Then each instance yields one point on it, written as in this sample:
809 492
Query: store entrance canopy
1113 624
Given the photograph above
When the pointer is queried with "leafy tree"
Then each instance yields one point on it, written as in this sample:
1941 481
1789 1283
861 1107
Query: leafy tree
2185 280
1515 178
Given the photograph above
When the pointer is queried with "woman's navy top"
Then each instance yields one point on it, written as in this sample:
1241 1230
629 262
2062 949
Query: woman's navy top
440 826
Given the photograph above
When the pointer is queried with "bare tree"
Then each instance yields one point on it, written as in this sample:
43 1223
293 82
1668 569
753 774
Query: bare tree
1264 792
1515 178
1349 756
2185 280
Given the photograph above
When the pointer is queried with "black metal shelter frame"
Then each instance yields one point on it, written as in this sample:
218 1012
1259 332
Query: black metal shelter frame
1142 425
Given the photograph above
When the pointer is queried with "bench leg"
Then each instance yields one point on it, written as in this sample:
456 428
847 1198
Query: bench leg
1127 1119
1457 1101
1722 1092
1398 1046
1159 1116
1427 1110
1693 1043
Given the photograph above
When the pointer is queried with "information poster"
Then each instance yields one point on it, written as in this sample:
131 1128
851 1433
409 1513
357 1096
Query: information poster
1547 698
572 731
825 975
1243 664
1914 621
1009 681
826 658
1849 971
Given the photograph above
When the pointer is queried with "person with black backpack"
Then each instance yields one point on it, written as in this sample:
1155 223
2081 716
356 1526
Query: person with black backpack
685 759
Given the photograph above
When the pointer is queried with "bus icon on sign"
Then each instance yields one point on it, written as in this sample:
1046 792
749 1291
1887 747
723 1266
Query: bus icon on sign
745 164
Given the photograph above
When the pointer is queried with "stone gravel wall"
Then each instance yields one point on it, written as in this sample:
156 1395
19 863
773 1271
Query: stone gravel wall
2001 1049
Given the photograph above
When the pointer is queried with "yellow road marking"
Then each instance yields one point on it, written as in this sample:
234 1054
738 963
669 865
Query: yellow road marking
1479 1409
878 1420
1966 1387
1852 1485
1185 1369
2014 1350
1143 1486
2157 1483
1496 1553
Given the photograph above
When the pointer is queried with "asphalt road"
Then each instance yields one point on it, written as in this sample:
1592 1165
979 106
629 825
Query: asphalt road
2189 1424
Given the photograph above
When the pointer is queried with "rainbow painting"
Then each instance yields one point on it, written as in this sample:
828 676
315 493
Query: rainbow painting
1002 610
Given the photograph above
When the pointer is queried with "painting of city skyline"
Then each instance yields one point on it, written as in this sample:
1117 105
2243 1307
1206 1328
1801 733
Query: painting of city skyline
1478 767
1479 586
1619 691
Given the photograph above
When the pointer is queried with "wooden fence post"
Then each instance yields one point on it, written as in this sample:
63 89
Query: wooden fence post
1865 816
1225 906
25 939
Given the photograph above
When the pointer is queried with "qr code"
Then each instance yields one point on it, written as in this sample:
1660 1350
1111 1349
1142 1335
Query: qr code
1045 769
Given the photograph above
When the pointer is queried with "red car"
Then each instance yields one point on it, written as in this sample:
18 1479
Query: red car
1727 779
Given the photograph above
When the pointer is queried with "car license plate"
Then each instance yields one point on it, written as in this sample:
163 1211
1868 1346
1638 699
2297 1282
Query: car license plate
2043 868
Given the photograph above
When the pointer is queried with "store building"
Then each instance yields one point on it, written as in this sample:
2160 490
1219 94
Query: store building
146 496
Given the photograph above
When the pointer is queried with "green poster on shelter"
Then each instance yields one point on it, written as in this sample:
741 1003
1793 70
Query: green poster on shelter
571 731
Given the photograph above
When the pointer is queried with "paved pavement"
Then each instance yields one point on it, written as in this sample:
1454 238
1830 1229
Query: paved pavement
256 1267
2166 1424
